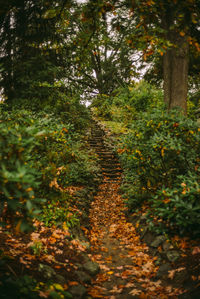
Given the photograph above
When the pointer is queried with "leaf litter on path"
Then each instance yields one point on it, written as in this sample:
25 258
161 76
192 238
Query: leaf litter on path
127 270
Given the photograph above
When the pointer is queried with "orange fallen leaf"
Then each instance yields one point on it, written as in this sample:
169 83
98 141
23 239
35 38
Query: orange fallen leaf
171 274
194 278
129 285
135 292
73 283
52 240
196 250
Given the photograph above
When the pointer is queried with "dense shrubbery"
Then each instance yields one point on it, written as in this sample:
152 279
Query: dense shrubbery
44 160
19 179
124 105
160 154
41 155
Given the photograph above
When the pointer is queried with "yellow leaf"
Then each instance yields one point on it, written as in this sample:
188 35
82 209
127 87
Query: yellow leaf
110 272
148 184
58 287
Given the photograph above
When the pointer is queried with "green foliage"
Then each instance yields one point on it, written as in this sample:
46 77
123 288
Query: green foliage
127 102
18 178
37 248
22 287
57 211
140 96
161 152
179 205
42 153
27 287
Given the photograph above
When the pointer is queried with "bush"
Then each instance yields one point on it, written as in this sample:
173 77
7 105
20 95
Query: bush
18 179
140 96
161 152
41 153
179 206
127 102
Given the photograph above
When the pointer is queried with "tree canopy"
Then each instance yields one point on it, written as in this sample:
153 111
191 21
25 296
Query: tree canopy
65 45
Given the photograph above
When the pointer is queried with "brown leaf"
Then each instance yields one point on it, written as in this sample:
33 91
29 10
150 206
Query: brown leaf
196 250
171 274
129 285
135 292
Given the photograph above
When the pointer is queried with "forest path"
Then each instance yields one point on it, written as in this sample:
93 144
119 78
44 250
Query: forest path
127 270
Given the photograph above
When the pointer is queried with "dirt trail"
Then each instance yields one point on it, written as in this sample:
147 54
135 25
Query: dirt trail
127 270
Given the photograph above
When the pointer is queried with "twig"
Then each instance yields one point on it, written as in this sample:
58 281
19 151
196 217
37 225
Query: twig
11 270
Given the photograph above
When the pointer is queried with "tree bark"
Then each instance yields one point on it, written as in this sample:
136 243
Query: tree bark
175 64
175 73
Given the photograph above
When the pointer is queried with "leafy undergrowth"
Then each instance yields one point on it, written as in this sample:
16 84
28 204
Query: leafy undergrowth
161 161
45 162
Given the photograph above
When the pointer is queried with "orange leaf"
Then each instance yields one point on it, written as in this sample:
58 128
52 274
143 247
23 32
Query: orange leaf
196 250
73 283
135 292
52 240
182 33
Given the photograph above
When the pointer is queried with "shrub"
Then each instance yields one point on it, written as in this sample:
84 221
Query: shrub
127 102
179 206
161 151
18 179
40 154
140 96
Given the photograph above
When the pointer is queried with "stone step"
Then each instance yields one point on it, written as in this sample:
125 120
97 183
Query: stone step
100 148
111 174
104 158
112 180
112 171
105 152
107 161
97 136
107 165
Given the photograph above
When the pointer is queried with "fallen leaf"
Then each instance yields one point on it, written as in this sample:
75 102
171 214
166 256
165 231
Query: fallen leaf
194 278
44 294
135 292
73 283
196 250
129 285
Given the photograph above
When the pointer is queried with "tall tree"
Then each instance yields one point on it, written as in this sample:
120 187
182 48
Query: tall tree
29 55
100 60
168 27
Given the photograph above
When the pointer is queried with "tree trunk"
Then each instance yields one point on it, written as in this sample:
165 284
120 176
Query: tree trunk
175 73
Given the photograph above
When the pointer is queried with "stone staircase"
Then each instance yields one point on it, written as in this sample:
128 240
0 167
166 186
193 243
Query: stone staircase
109 163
